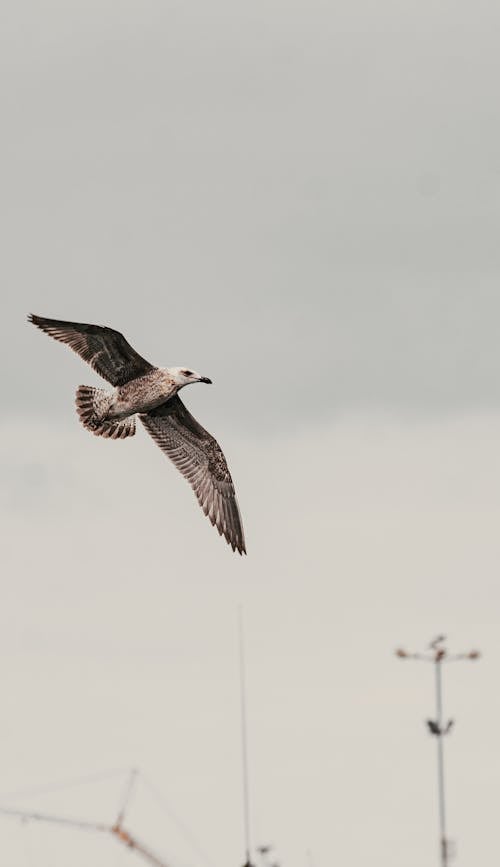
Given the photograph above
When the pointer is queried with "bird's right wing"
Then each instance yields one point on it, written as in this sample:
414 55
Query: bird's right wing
106 350
199 458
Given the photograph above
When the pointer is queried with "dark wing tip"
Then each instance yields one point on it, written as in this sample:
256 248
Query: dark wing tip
199 458
39 321
238 541
42 320
237 547
46 325
234 537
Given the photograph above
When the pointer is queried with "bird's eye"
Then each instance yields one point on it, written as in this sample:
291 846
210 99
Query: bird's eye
187 372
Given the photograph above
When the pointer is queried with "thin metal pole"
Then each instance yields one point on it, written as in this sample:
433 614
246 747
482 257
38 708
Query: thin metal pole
437 653
244 738
129 788
133 843
440 753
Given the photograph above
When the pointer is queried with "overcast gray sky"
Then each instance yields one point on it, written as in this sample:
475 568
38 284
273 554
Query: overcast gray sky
302 202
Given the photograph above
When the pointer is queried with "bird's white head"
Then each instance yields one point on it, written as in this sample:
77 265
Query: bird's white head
182 376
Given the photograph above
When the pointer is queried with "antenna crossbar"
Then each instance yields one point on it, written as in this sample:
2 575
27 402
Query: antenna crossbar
118 832
437 653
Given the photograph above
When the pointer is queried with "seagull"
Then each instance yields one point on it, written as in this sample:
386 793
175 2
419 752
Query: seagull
151 392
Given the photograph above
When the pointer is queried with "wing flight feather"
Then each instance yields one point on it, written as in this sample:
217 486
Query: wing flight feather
199 458
105 349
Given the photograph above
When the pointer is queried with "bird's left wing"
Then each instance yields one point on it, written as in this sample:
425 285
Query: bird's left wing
200 459
105 349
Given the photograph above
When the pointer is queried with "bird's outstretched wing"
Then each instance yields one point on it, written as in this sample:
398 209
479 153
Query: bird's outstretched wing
106 350
199 458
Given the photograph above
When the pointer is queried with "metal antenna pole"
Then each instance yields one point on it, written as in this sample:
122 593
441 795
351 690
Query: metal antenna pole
438 654
244 741
440 755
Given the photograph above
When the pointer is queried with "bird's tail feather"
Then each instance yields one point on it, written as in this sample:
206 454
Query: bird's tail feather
92 405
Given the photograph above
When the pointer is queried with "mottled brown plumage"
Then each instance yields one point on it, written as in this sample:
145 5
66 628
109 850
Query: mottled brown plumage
200 459
151 392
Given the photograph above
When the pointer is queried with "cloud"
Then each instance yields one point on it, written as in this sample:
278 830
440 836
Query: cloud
244 193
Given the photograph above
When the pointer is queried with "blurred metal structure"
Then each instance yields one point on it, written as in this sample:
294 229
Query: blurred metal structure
438 654
244 740
265 852
117 829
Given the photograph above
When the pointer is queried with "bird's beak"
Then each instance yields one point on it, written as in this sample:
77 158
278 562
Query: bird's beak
205 379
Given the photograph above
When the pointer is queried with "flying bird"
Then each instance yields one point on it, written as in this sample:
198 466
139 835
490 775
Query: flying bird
433 727
151 392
